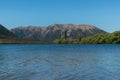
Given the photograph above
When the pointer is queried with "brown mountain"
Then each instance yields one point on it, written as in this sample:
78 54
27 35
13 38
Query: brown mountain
52 32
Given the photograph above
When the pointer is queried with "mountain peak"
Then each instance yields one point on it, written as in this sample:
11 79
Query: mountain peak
53 31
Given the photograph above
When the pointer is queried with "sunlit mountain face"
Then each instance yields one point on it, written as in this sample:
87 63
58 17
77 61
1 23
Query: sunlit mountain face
52 32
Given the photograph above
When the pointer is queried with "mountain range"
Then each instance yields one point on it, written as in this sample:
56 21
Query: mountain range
53 32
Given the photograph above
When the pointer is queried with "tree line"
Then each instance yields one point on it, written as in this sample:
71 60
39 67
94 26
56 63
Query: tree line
106 38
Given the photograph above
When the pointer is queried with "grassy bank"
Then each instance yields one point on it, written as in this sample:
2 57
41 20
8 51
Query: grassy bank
14 40
22 41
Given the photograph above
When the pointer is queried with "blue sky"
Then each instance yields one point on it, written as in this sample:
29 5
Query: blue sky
104 14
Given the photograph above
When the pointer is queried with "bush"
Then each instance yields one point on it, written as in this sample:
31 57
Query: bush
107 38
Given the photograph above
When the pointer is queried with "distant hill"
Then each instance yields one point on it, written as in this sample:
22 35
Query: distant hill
52 32
8 37
108 38
4 32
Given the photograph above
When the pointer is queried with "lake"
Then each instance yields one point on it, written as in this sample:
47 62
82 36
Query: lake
59 62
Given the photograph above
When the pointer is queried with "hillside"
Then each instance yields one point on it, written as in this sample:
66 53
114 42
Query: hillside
108 38
4 32
104 38
8 37
53 32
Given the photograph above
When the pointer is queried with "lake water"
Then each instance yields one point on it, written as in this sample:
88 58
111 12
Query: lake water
59 62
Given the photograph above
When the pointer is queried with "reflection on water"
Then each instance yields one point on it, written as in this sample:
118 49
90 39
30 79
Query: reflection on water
59 62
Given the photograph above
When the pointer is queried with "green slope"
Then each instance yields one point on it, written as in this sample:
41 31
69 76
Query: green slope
109 38
4 32
106 38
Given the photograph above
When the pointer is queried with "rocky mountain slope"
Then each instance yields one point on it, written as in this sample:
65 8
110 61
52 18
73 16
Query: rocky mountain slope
7 37
52 32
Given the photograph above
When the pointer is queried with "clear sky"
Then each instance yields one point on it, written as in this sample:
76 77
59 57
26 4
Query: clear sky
104 14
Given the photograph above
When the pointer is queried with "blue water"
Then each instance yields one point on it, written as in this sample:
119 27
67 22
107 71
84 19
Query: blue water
59 62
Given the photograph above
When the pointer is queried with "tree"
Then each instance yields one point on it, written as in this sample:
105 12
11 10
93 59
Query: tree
79 36
60 36
65 34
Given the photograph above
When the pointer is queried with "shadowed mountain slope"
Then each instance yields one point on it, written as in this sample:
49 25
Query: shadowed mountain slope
4 32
